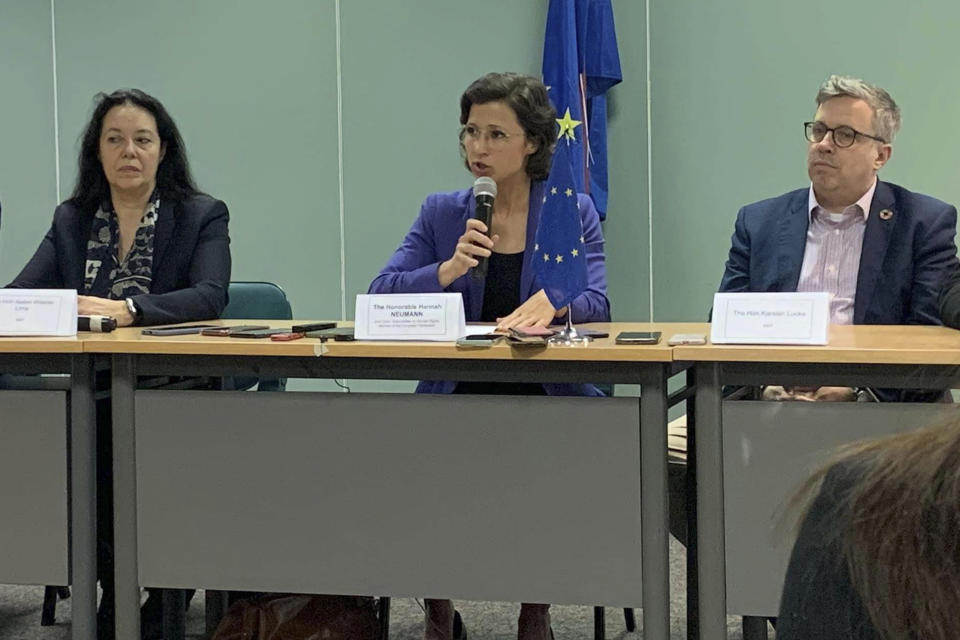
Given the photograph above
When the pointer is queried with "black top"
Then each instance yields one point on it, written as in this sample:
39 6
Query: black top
501 293
819 600
501 297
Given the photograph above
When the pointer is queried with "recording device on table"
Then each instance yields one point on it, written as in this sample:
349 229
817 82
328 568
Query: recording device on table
97 324
484 193
638 337
338 334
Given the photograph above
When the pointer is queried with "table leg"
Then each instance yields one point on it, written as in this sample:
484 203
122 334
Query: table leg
654 505
83 500
712 597
125 499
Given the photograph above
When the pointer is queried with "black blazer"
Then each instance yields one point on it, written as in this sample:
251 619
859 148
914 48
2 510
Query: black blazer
191 259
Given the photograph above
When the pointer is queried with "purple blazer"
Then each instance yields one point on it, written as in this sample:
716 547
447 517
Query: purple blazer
433 239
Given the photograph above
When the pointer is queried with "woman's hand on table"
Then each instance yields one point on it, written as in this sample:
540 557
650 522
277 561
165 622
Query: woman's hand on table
535 312
93 306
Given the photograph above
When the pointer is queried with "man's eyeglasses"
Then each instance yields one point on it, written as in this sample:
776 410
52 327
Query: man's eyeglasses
843 136
495 137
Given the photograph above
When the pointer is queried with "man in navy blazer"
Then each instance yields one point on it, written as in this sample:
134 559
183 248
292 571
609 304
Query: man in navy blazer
881 250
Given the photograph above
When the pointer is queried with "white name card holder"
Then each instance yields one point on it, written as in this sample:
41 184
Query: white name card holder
38 312
770 318
436 317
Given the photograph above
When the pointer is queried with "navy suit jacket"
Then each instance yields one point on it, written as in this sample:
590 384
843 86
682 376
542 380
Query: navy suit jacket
191 259
902 264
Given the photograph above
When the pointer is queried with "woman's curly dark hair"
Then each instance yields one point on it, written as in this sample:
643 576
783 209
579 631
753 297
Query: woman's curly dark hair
528 98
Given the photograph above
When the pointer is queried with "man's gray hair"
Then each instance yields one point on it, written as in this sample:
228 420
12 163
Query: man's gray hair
886 113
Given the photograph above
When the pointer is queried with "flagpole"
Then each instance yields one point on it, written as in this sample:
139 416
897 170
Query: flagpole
569 336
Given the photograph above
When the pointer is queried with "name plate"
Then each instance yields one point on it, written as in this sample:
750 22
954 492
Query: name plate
770 318
416 316
38 312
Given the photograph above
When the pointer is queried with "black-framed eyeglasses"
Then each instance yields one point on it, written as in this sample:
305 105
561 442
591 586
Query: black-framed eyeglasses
843 136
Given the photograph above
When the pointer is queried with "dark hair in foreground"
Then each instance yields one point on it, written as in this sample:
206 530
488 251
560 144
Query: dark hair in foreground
898 528
173 173
528 98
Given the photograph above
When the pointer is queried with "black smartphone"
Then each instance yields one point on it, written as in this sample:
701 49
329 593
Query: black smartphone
638 337
339 334
312 326
177 331
593 333
229 331
257 333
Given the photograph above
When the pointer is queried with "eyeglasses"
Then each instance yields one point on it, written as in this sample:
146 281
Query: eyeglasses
843 136
495 137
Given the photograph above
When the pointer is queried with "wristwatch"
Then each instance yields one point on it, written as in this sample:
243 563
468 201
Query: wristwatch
134 310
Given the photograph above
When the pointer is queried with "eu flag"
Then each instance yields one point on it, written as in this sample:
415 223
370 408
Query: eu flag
580 62
559 251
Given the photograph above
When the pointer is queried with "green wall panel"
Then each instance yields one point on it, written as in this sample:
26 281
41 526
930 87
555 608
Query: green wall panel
28 189
252 86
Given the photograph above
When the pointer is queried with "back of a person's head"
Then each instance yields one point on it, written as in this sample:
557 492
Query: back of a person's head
899 529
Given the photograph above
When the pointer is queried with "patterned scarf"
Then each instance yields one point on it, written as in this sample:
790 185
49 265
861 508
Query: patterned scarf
134 275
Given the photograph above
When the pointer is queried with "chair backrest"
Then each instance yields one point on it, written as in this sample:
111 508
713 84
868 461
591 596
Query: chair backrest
257 300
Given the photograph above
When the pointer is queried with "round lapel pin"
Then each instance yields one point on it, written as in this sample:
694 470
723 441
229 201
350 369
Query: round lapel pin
886 214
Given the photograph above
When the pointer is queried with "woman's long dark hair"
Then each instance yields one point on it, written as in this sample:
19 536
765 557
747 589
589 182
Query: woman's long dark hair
898 528
173 173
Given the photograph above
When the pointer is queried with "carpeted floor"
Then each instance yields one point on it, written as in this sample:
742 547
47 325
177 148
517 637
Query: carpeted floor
20 616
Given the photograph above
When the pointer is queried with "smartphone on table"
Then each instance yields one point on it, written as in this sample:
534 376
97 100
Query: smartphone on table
687 338
259 333
312 326
177 331
638 337
479 340
229 331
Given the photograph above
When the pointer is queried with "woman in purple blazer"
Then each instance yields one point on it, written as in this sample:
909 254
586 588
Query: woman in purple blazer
508 133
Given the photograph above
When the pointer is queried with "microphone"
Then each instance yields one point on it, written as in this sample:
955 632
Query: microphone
97 324
484 192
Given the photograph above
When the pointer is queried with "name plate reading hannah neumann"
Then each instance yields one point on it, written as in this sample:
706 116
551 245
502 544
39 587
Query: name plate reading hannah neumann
402 316
38 312
770 318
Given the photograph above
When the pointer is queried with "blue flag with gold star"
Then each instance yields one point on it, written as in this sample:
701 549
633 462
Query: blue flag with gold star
560 253
580 63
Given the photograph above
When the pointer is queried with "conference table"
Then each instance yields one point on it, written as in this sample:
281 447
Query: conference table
560 499
48 471
752 456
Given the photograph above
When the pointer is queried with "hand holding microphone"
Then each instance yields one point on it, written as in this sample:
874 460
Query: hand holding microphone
475 245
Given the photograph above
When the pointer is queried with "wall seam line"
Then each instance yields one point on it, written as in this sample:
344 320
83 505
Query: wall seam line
56 98
649 163
343 245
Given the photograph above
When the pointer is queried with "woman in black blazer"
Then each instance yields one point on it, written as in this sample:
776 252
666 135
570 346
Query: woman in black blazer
137 239
139 242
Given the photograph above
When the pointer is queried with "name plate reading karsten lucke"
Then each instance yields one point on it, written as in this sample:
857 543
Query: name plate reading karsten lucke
770 318
38 312
413 316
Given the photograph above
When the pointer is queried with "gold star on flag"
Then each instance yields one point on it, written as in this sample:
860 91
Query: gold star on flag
575 253
553 191
567 125
546 257
569 192
559 258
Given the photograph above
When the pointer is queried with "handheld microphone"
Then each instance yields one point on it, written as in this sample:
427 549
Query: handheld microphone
484 192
